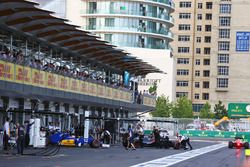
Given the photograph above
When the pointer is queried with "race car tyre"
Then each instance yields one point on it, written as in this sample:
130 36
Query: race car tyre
230 144
95 144
246 145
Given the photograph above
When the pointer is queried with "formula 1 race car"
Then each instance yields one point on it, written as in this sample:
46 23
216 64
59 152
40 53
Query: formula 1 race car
238 143
64 139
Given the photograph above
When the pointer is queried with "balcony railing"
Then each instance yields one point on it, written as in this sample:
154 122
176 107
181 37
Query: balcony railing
160 31
167 2
162 16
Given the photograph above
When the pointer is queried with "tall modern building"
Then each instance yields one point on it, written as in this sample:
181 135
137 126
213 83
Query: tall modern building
211 51
141 27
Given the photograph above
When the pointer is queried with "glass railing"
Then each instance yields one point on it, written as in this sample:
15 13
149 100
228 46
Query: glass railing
133 29
138 44
167 2
131 12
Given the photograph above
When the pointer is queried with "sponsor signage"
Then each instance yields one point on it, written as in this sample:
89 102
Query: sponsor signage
215 134
239 110
242 41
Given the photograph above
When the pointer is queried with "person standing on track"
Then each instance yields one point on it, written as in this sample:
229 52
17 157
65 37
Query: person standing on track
6 134
130 138
20 138
27 134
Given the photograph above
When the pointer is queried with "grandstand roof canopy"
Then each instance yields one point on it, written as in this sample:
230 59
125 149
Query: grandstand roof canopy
24 17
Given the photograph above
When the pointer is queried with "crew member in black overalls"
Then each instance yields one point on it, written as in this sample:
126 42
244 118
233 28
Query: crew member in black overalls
20 138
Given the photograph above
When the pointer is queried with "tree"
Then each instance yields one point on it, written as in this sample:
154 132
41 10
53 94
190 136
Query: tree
153 89
220 110
163 107
206 111
182 108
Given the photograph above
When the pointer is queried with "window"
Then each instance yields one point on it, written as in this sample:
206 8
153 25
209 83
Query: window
206 73
198 39
184 27
197 73
207 39
225 8
209 5
206 62
224 33
199 5
205 96
185 4
196 96
197 62
205 84
183 49
223 58
92 7
183 38
223 70
184 15
208 16
207 51
183 61
222 82
199 28
109 22
198 50
92 23
199 16
108 37
208 28
182 72
182 83
197 107
197 84
224 21
223 46
181 94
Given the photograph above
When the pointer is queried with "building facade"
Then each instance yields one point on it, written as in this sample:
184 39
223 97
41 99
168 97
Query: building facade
210 51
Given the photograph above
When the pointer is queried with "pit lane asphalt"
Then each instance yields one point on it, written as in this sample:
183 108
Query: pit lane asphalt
224 157
116 156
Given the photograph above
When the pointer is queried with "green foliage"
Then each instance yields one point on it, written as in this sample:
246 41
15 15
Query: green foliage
182 108
163 107
206 111
153 89
220 110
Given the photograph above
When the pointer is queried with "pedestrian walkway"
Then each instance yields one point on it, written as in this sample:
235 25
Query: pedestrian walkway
173 159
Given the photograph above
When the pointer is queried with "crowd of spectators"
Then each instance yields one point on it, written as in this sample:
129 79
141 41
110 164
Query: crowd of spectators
17 57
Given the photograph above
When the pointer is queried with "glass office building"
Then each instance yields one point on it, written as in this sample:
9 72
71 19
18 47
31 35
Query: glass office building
126 23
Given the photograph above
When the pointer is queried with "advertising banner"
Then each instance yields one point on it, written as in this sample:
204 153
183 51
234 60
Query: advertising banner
101 91
84 87
215 134
239 110
242 41
19 74
108 93
9 72
51 80
74 85
27 75
63 82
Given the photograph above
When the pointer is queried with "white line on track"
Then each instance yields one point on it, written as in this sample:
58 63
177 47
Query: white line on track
176 158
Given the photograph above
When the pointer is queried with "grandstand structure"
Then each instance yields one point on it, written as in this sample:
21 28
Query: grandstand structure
56 71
